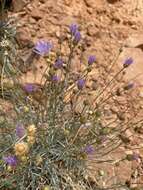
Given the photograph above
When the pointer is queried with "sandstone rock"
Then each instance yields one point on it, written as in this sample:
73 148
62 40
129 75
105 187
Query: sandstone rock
91 31
134 41
18 5
94 85
36 14
112 1
42 1
68 2
93 4
23 37
141 94
32 21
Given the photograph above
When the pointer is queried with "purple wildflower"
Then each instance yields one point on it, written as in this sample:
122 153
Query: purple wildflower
10 160
58 64
29 87
42 47
80 84
89 149
20 130
55 78
129 86
91 59
73 28
128 62
77 37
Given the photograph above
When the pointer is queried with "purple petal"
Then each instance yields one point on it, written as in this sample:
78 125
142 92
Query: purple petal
10 160
91 59
80 84
55 78
73 28
42 47
89 149
58 64
129 86
77 37
128 62
30 87
20 130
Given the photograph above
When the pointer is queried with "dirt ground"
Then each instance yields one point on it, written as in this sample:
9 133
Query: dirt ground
113 31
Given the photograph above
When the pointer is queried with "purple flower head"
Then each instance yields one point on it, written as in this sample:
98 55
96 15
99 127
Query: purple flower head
80 84
73 28
77 37
91 59
20 130
10 160
129 86
89 149
58 64
55 78
29 87
128 62
42 47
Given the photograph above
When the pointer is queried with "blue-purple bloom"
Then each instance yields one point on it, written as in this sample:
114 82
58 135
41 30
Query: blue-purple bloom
10 160
89 149
55 78
42 47
58 64
73 28
29 87
20 130
77 37
128 62
80 84
91 59
129 86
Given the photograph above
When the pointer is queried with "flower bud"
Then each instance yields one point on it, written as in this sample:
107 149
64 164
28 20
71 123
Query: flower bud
66 132
128 62
46 187
24 158
9 168
31 130
31 140
26 109
38 160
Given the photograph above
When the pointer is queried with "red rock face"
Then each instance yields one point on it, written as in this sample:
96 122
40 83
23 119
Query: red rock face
112 1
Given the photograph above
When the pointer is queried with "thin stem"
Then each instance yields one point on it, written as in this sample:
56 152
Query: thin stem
108 84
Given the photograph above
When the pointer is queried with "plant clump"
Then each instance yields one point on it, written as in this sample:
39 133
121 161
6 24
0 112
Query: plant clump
47 144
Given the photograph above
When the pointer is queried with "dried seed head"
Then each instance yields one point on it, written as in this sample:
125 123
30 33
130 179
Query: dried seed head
21 149
31 130
38 160
47 187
